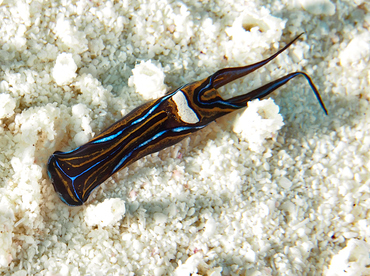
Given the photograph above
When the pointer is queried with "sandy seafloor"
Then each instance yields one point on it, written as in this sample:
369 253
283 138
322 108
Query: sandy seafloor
217 203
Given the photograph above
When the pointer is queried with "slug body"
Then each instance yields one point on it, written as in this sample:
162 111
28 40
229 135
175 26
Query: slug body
151 127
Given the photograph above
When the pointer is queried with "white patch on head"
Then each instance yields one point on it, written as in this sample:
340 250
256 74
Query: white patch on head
185 113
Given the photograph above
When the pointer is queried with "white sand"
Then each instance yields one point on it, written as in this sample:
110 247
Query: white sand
216 203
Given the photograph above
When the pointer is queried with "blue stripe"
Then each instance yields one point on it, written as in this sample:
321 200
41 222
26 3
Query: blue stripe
158 135
209 86
152 110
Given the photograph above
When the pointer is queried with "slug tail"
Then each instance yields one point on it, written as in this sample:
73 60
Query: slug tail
226 75
267 89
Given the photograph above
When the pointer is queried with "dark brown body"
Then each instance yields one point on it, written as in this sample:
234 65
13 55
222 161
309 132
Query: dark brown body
151 127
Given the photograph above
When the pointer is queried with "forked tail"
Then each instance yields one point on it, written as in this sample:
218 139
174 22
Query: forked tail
265 90
226 75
